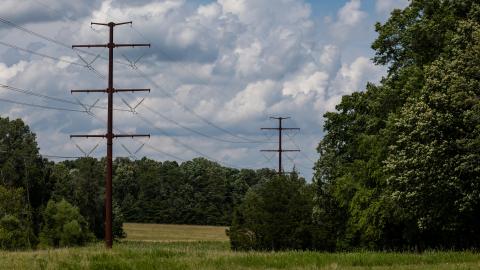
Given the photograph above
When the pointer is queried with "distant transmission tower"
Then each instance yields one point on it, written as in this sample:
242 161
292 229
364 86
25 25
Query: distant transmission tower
280 150
110 90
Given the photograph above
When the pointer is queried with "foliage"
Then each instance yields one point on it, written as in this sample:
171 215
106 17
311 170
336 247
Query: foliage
194 192
81 183
275 215
63 226
399 162
15 220
433 161
21 166
117 222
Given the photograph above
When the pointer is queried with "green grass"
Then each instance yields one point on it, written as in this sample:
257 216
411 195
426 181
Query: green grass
168 253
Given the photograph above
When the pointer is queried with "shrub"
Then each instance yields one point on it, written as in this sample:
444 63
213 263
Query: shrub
275 215
63 226
15 226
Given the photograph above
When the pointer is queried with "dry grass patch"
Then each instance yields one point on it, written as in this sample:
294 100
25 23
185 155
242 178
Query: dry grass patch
173 233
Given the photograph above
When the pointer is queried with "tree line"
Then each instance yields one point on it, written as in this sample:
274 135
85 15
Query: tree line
43 203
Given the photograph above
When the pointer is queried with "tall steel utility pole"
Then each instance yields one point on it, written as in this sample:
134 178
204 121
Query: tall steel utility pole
110 90
280 150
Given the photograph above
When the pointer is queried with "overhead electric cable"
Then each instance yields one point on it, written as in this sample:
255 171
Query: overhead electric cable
39 106
146 77
181 104
59 43
39 54
191 129
183 144
32 93
138 140
60 157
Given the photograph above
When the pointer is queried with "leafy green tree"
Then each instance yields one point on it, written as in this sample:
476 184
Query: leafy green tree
21 166
434 160
275 215
63 225
380 143
81 183
117 222
15 220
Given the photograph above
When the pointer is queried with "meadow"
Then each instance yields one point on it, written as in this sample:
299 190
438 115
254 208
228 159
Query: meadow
150 246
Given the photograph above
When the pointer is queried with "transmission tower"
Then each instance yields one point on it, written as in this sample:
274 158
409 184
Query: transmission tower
280 150
110 90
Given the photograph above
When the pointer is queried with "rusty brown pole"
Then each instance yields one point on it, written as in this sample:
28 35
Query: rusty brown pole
110 136
109 173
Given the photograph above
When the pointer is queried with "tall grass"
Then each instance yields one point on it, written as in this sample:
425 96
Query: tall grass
171 251
217 255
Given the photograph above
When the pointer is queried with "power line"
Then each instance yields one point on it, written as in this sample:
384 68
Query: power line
86 65
39 106
247 140
78 103
86 52
60 157
183 144
28 92
191 129
59 43
143 118
146 77
297 164
146 144
303 154
5 21
39 54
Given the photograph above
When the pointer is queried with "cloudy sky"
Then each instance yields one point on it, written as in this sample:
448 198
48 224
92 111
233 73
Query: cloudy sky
217 69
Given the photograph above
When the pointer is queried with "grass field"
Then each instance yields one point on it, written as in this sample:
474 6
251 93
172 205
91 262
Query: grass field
171 233
169 250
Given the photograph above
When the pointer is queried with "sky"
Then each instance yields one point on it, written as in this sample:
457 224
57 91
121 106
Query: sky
217 71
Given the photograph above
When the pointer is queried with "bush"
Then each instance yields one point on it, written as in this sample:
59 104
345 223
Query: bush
63 226
12 237
118 220
15 226
275 215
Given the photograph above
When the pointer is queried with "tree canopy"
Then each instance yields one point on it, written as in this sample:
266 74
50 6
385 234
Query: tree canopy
399 161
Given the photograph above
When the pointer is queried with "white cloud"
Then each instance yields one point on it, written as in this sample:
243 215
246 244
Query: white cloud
7 73
252 101
237 7
353 77
349 18
317 82
350 14
386 6
212 10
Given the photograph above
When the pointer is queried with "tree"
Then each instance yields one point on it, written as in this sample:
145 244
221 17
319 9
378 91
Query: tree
117 222
275 215
63 226
15 220
21 166
434 160
81 183
390 141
